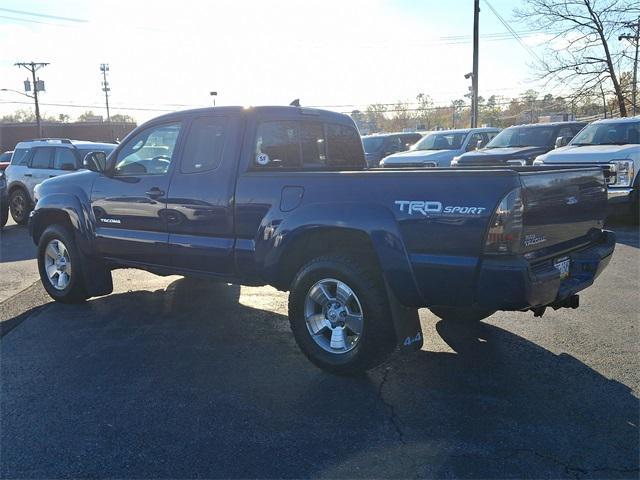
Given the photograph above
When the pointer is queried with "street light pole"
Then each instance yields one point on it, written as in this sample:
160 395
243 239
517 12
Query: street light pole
33 67
474 77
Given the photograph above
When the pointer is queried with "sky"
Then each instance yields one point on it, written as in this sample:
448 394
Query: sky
168 55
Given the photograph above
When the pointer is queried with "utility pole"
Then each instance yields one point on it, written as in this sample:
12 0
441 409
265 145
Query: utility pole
104 68
33 67
634 39
474 76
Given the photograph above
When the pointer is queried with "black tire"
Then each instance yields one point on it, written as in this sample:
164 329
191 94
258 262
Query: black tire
75 291
461 314
20 206
377 339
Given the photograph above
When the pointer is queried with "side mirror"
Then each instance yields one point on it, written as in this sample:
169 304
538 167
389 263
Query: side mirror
68 167
95 161
562 141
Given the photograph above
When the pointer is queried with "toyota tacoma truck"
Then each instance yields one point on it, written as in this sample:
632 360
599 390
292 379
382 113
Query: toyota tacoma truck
282 196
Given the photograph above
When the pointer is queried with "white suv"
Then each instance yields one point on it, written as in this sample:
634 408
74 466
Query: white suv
34 161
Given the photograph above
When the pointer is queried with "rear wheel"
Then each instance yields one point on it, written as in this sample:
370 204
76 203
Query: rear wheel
340 316
20 206
59 266
461 314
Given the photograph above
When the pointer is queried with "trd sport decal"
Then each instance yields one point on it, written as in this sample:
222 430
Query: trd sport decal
427 208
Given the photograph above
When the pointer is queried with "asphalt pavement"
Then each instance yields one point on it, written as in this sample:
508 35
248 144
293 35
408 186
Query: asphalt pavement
173 378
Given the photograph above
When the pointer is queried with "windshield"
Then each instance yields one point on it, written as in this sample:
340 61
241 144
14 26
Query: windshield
608 134
441 141
372 144
523 137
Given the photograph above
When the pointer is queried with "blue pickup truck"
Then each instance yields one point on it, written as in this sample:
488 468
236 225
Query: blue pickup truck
282 196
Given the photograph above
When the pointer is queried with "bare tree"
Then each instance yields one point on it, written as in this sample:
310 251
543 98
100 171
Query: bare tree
588 29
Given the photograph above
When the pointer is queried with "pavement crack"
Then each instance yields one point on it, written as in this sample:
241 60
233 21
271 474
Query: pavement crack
390 408
571 470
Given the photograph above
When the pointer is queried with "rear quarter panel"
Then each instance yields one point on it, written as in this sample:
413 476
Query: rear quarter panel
428 258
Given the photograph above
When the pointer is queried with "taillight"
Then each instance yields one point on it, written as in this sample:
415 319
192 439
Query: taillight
505 230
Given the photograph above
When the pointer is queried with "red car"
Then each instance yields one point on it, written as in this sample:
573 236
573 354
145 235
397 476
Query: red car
5 159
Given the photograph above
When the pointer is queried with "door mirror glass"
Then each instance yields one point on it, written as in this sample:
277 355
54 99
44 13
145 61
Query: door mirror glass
96 161
561 141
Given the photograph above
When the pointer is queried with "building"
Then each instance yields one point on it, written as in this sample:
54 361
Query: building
12 133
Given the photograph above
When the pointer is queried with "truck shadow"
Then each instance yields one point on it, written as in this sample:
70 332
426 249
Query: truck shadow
15 244
190 382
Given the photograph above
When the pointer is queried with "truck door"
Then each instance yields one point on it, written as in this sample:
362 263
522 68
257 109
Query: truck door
200 202
39 167
130 200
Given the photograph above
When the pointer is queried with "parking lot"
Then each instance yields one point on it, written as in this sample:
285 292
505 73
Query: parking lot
173 378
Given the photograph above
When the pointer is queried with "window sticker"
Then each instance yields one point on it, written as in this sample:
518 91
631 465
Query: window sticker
262 159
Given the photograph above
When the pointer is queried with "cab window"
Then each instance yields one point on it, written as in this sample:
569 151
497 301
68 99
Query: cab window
204 145
277 145
344 146
150 152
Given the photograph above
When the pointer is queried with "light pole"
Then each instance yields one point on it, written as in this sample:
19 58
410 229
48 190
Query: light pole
38 85
104 68
214 95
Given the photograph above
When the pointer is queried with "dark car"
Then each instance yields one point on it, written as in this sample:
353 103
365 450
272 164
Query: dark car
281 196
378 146
5 159
520 144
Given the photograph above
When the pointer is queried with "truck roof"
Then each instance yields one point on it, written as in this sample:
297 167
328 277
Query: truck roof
619 120
266 109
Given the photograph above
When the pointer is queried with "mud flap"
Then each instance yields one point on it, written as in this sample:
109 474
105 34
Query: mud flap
97 278
406 323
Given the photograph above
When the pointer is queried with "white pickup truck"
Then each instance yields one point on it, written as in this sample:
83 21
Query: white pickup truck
614 143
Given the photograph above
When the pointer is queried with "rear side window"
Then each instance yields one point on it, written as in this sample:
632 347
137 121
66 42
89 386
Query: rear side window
310 145
20 156
204 145
313 144
344 146
277 145
64 156
41 158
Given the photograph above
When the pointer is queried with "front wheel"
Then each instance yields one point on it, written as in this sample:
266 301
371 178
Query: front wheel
59 266
340 316
20 206
461 314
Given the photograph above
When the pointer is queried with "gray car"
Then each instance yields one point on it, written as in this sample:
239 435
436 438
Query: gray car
438 148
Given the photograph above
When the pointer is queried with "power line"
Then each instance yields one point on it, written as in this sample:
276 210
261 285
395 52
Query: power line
512 31
44 15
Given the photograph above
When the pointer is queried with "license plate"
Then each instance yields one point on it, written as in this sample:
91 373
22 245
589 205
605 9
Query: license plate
563 265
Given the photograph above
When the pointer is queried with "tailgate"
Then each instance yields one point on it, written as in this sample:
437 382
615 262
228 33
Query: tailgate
561 207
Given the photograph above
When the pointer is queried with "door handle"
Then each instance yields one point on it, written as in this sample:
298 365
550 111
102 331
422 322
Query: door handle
28 175
51 176
154 192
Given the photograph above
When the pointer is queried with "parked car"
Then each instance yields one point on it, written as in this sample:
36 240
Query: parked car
612 143
34 161
4 200
439 148
282 196
5 159
521 144
378 146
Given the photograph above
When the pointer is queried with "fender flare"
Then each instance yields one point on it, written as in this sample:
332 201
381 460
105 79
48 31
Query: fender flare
78 213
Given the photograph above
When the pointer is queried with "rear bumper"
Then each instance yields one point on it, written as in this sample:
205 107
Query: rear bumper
515 284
